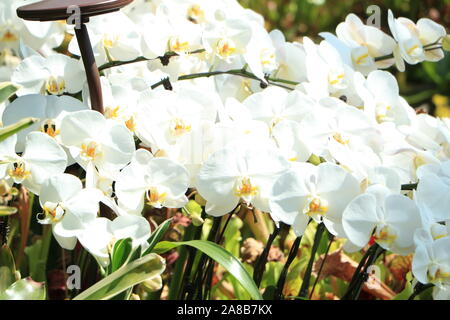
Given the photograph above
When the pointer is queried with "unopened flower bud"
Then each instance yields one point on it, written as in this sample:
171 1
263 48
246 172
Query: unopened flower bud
153 284
197 220
446 43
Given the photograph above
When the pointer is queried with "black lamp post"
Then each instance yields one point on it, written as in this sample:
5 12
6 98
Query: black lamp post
52 10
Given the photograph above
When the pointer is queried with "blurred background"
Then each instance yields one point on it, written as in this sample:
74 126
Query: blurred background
425 86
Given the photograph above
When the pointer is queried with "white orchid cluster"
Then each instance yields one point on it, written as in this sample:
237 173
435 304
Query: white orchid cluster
246 114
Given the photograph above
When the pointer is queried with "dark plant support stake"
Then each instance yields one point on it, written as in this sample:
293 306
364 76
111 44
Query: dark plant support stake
53 10
92 74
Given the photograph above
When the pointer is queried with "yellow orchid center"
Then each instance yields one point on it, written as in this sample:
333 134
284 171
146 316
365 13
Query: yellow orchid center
112 112
53 212
438 276
419 161
339 138
109 40
245 189
49 128
316 206
385 235
130 124
178 45
19 172
90 151
179 127
8 36
226 48
361 59
55 85
154 197
381 112
195 14
413 50
333 80
268 58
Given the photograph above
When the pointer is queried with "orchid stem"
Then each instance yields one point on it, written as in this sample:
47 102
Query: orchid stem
419 288
282 279
359 277
321 266
262 260
207 279
307 278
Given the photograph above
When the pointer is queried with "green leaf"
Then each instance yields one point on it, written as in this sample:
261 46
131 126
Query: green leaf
25 289
7 268
157 235
37 255
220 255
192 207
127 276
407 291
7 89
121 253
271 274
12 129
7 211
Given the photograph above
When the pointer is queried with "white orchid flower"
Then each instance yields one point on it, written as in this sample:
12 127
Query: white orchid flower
290 58
113 36
319 192
67 207
335 127
36 34
390 218
414 40
426 133
261 53
290 141
273 105
92 138
120 103
48 109
406 159
431 262
101 234
41 158
240 172
159 182
56 74
366 44
382 102
328 73
167 117
227 39
432 189
164 34
382 175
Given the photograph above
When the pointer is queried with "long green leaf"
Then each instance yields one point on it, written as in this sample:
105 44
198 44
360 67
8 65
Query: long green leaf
7 89
126 277
12 129
220 255
157 235
121 252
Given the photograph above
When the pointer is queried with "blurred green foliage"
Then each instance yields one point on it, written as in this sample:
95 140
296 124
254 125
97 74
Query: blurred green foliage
298 18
